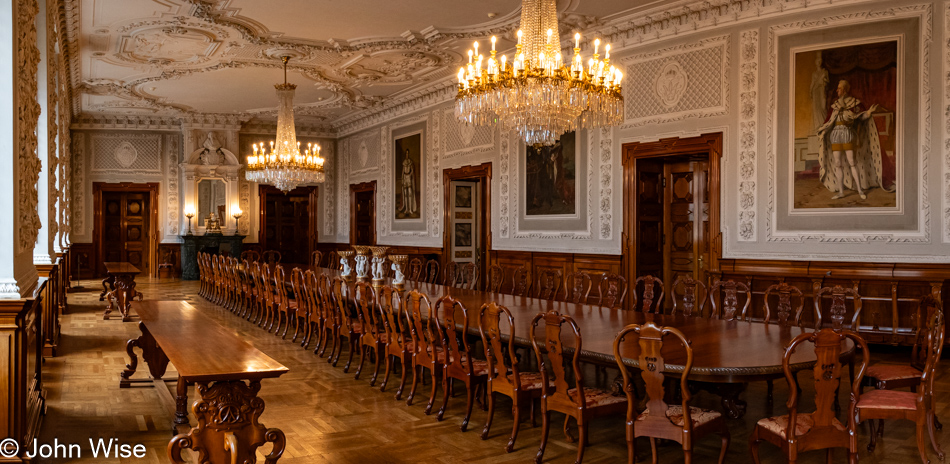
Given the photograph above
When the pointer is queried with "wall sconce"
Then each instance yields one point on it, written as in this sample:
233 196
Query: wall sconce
189 213
237 213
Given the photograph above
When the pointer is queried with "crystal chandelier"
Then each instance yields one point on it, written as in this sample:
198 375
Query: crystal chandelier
537 95
283 165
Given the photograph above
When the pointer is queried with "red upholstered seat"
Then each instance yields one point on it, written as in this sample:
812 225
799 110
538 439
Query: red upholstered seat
531 380
674 413
594 397
892 372
803 423
888 399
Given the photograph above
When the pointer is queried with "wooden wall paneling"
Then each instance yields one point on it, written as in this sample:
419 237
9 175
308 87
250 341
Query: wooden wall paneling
597 266
83 260
557 261
511 260
21 382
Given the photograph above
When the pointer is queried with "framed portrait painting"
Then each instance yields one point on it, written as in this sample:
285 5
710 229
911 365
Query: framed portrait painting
846 147
407 151
550 177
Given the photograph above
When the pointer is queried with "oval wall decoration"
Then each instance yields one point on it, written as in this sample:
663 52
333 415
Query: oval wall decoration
670 84
126 154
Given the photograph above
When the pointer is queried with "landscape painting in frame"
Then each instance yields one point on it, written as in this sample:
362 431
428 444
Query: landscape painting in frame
845 114
550 178
408 155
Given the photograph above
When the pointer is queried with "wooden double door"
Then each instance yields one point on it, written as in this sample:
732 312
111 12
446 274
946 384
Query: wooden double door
672 209
289 222
124 228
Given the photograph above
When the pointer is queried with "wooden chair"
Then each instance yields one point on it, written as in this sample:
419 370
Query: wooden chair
496 278
579 402
520 282
333 260
693 291
432 271
460 363
680 422
427 350
915 406
304 310
398 340
414 270
611 291
787 312
353 329
372 337
549 284
329 327
316 258
250 255
577 287
836 315
451 274
650 302
889 376
271 257
727 291
285 305
267 314
505 377
468 276
797 432
316 321
257 305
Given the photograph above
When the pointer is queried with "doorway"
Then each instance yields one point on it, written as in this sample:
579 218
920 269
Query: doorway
288 222
671 208
467 237
363 213
126 215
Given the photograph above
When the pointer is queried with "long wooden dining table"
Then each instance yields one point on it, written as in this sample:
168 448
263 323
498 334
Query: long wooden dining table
726 354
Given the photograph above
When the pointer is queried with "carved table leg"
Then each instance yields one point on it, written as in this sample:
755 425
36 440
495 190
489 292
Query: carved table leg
731 404
110 297
106 284
181 403
124 293
151 352
227 414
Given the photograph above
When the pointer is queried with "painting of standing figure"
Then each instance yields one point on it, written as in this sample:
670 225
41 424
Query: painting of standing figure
845 117
408 153
550 178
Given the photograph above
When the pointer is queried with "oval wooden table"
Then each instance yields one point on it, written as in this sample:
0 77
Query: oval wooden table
726 354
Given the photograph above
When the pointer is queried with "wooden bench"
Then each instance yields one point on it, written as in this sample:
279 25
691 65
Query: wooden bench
218 362
119 288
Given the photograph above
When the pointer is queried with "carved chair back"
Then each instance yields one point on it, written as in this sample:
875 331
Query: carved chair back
455 340
693 291
342 293
611 291
520 282
577 287
326 302
316 258
924 318
251 255
425 342
414 269
313 295
271 257
727 292
827 373
365 297
836 314
650 298
333 260
496 278
267 283
391 308
432 271
500 356
254 278
649 338
468 276
933 347
789 306
549 283
280 287
451 274
301 292
553 370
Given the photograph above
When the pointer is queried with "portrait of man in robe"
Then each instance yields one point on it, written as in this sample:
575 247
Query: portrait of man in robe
845 118
407 166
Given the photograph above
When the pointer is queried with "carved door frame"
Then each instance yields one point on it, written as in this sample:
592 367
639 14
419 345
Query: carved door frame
359 188
710 144
481 172
98 188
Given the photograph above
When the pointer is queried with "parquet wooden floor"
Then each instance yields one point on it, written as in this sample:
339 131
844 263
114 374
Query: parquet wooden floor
330 417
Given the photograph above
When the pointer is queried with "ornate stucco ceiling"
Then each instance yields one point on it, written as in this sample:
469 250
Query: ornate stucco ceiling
350 57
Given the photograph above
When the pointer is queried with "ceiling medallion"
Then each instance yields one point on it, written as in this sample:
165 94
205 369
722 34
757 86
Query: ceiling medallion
284 166
537 95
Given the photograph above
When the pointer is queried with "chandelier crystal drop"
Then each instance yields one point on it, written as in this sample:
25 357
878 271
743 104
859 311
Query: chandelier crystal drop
283 165
537 94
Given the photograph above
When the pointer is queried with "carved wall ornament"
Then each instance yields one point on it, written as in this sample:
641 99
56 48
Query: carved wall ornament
670 83
28 113
78 202
946 151
467 132
748 144
363 154
125 154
